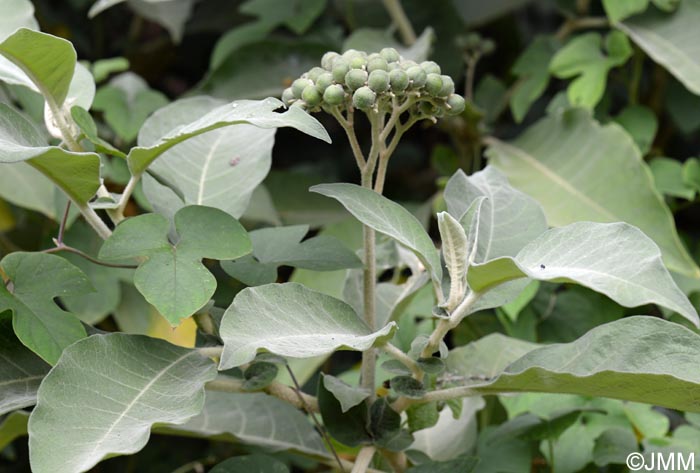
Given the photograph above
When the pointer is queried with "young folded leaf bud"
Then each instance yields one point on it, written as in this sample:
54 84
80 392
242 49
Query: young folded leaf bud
377 64
356 78
448 86
455 104
340 68
315 72
433 84
323 81
311 96
390 54
417 76
334 95
298 87
328 59
287 96
378 80
364 98
398 80
430 67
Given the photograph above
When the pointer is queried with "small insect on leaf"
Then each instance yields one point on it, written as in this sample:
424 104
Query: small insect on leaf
542 266
234 161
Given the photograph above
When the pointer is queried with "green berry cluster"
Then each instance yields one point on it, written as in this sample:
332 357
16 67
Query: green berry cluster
377 82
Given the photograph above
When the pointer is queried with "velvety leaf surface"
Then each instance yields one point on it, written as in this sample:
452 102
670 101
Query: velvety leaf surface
291 320
532 68
386 217
259 113
21 371
77 174
639 358
16 14
579 170
670 39
173 277
254 419
38 322
104 395
614 259
251 464
348 396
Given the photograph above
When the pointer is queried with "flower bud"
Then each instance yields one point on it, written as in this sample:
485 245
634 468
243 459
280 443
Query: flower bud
340 68
398 80
334 95
323 81
356 78
287 96
430 67
417 76
311 96
433 84
328 60
455 104
448 86
364 98
390 54
378 80
377 64
298 87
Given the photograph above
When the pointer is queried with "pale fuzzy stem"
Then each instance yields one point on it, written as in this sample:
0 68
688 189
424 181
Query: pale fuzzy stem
398 16
364 458
399 355
278 390
437 396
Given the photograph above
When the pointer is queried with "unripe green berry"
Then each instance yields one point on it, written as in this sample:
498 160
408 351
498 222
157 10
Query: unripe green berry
407 64
377 64
315 72
398 80
390 54
340 68
311 96
334 95
298 87
430 67
350 54
328 60
378 80
448 86
455 103
358 62
433 84
323 81
356 78
287 96
417 76
471 41
394 65
364 98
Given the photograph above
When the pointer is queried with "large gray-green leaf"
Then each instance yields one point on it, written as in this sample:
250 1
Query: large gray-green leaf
37 279
171 14
291 320
644 359
671 39
389 218
21 371
23 185
154 140
508 219
615 259
16 14
104 395
220 168
282 246
254 419
77 174
485 358
579 170
173 277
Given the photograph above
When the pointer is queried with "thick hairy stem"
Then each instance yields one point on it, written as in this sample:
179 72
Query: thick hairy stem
398 16
118 215
445 325
364 458
94 220
399 355
281 391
